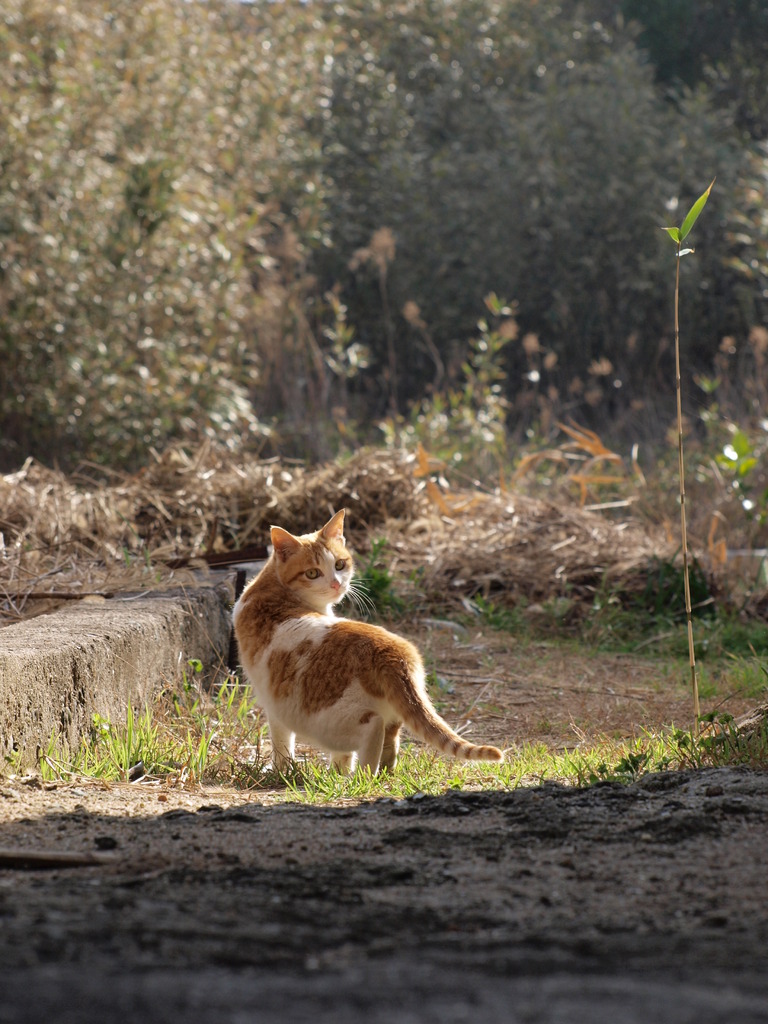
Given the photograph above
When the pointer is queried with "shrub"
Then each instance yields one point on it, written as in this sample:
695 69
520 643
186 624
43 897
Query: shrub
157 195
274 223
510 149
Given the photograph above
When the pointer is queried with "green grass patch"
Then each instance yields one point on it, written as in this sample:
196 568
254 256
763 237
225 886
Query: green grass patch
222 745
192 737
184 737
731 652
421 772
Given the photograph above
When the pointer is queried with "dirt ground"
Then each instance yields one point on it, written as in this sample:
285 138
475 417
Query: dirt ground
543 904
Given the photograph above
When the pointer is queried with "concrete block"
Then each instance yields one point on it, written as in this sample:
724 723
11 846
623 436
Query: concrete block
58 670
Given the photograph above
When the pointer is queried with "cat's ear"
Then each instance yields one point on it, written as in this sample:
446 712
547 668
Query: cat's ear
334 528
284 543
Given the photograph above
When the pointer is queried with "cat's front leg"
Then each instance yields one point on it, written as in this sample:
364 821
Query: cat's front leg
343 763
283 745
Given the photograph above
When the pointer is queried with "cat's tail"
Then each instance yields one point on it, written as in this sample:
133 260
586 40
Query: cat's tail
422 719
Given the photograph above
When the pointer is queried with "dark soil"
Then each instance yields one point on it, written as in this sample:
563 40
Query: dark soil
645 903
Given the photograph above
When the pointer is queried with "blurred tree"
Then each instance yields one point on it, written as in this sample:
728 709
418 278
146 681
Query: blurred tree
722 44
511 149
271 224
154 158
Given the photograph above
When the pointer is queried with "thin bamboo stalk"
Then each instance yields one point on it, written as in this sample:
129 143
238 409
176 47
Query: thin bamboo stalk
683 528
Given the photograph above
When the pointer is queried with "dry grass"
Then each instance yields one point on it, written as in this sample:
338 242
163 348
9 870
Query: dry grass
523 546
81 534
86 533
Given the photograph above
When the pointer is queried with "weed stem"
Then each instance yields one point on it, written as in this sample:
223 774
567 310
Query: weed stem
683 529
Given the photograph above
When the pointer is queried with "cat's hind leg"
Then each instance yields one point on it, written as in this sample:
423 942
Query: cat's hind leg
372 742
391 745
283 745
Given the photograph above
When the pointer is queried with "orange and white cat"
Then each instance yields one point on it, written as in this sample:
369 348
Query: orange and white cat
343 686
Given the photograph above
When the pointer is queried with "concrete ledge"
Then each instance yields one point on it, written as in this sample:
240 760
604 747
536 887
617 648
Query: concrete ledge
58 670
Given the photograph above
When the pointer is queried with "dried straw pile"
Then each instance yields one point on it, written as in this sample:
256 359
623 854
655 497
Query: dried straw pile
81 534
78 534
185 505
517 547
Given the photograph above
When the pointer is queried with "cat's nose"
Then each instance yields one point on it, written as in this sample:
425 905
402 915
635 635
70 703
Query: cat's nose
335 584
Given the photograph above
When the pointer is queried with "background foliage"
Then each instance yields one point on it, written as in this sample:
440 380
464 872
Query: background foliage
276 224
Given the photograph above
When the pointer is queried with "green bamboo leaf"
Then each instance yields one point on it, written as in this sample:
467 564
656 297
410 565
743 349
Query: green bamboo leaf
746 466
741 444
674 234
693 214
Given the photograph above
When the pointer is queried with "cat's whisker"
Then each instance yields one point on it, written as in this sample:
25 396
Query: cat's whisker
358 595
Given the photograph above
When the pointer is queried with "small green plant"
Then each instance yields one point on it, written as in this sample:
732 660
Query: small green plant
722 742
678 235
738 459
13 760
464 425
664 597
371 590
748 676
497 616
627 769
127 746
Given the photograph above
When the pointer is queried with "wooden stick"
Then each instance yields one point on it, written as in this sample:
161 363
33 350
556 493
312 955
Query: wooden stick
18 858
56 595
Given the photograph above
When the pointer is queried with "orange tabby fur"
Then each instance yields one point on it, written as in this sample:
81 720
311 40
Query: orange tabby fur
346 687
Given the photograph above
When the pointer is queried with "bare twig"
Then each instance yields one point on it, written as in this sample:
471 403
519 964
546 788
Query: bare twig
18 858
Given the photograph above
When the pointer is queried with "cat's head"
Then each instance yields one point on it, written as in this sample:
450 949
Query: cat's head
316 567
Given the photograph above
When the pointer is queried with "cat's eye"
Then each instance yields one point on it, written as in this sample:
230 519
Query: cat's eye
312 574
341 563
